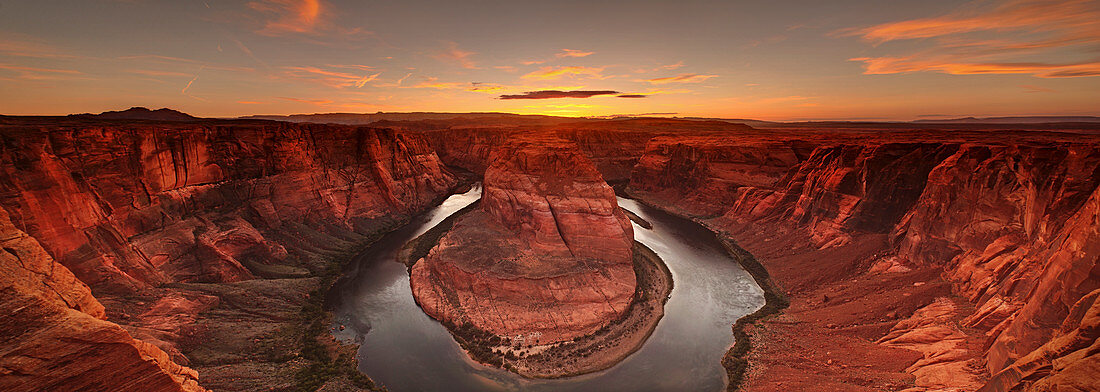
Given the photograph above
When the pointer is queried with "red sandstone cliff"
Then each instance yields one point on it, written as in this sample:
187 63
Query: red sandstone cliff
53 338
613 146
129 208
207 207
1008 222
548 255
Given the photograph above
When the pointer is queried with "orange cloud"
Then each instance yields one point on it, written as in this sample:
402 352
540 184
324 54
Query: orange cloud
894 65
462 57
682 78
573 53
551 73
289 16
1043 38
1031 15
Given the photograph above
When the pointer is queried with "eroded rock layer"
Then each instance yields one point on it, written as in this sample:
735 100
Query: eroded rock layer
174 226
548 257
1007 221
53 338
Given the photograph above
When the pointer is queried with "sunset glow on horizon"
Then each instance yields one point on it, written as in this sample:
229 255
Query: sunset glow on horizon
793 60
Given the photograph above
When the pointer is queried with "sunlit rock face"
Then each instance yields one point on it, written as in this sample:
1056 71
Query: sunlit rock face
53 336
1016 230
127 208
1010 222
546 257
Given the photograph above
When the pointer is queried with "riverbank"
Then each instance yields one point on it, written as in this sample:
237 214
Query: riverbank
590 353
841 308
282 339
735 361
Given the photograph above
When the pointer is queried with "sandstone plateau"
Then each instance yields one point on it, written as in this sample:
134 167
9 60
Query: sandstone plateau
191 255
547 258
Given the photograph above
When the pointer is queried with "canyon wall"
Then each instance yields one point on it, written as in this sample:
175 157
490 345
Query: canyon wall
53 336
547 257
127 209
150 216
613 146
1008 221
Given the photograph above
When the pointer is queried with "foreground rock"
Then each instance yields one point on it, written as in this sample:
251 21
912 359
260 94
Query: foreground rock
53 338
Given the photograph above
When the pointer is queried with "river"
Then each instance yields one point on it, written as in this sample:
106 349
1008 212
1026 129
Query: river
405 350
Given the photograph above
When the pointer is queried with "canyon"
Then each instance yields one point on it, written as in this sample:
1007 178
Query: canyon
193 255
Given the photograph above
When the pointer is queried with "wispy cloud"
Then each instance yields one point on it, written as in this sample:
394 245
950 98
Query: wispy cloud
1037 89
894 65
319 102
1006 38
38 73
573 53
156 73
403 78
457 55
329 77
26 46
551 73
682 78
552 94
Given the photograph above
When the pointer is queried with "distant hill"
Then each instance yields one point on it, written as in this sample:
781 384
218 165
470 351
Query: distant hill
140 113
1014 120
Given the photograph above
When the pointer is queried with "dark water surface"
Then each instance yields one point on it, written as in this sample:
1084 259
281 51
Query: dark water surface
405 350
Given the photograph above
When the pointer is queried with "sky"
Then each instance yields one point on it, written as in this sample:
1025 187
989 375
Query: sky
770 60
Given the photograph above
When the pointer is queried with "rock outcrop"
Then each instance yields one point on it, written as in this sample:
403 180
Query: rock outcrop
131 208
172 226
1009 220
53 338
547 258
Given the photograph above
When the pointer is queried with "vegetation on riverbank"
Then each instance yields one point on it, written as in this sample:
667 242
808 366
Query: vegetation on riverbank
735 361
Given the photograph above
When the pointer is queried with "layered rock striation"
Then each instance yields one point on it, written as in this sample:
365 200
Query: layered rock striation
1006 221
171 224
547 258
53 336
